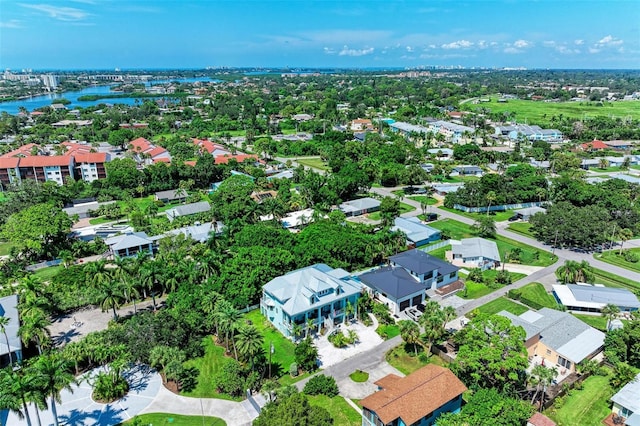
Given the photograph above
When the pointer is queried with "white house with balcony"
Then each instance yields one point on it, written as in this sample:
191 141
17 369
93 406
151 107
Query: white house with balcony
317 293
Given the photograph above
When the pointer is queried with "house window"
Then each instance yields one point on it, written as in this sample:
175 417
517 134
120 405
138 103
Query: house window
564 362
548 351
440 278
625 412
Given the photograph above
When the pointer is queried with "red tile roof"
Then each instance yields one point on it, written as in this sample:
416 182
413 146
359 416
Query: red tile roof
224 159
9 163
414 396
162 160
596 144
539 419
158 150
23 151
190 163
45 161
94 157
140 144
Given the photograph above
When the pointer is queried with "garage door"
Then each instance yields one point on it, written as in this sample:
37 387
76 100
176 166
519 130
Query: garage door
416 301
404 305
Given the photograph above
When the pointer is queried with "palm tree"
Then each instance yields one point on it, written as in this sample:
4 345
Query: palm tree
111 298
491 197
99 273
574 272
309 325
625 234
14 393
35 329
228 318
603 163
448 313
297 331
349 310
52 371
4 322
410 333
130 292
610 312
541 377
249 343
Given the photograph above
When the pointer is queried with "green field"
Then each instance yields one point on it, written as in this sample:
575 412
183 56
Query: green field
536 293
45 274
209 365
529 256
388 331
164 419
614 258
403 358
595 321
423 199
502 304
612 280
541 112
586 407
314 163
499 216
359 376
440 253
343 414
523 228
5 249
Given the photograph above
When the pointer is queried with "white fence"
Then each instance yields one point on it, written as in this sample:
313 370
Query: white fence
434 246
500 208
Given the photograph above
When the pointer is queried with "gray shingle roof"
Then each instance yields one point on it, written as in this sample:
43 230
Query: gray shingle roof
396 283
414 229
476 247
172 194
359 204
629 395
616 296
135 239
187 209
420 262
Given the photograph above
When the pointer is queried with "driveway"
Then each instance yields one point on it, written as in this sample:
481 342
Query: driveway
330 355
78 408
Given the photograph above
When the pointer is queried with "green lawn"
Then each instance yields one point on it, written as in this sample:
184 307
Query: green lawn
586 407
612 280
45 274
595 321
529 256
541 112
282 347
208 366
343 414
502 304
614 258
440 253
404 208
499 216
162 419
359 376
403 358
388 331
523 228
535 292
474 290
5 249
423 199
315 163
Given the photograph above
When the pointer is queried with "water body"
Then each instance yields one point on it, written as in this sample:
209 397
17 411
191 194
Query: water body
13 107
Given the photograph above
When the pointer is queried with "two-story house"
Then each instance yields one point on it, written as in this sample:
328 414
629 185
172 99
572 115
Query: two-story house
315 295
430 270
417 399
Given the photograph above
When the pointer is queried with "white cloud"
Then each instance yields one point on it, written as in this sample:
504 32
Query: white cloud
578 42
59 13
13 23
521 44
512 50
409 49
594 50
549 43
329 51
460 44
609 41
346 51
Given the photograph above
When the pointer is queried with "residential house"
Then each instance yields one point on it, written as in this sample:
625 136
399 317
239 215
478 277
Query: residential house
91 166
285 174
595 145
557 339
360 206
361 125
171 196
146 152
9 309
626 403
200 232
529 132
407 129
417 233
317 294
260 196
467 171
434 272
212 148
632 160
187 209
302 117
526 213
417 399
454 133
588 163
592 298
625 177
84 209
394 287
9 170
539 419
620 145
130 244
43 168
475 253
441 153
446 188
224 159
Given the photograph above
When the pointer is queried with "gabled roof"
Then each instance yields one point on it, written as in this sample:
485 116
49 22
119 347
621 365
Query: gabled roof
95 157
359 204
415 396
629 395
9 309
596 144
414 229
45 161
420 262
9 163
140 144
172 194
187 209
157 151
475 247
296 289
224 159
125 241
396 283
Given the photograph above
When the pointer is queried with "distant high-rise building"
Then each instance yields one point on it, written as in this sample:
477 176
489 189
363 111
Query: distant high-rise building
50 81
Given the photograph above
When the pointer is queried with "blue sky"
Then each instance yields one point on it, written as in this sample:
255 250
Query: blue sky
66 34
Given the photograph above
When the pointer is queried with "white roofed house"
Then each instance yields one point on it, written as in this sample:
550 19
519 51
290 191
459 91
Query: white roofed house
592 298
188 209
130 244
360 206
417 233
475 253
317 293
626 403
9 309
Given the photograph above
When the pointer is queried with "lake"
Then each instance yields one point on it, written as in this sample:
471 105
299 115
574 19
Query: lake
13 107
